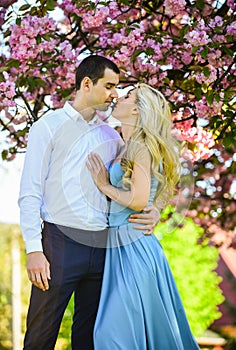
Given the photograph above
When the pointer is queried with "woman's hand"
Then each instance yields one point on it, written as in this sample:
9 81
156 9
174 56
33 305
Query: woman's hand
98 170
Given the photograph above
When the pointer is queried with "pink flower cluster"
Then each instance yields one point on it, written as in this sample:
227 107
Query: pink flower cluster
125 43
7 89
182 118
23 38
203 109
201 142
2 16
231 29
197 38
202 79
174 7
70 8
94 19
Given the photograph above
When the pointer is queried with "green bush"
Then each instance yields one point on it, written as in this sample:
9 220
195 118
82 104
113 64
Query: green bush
193 267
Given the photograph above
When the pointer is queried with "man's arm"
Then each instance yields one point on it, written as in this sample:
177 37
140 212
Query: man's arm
147 220
30 200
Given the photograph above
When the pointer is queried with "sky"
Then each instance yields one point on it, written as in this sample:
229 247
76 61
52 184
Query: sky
10 173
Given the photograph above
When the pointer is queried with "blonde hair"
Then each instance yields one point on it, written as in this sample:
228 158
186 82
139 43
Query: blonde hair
153 129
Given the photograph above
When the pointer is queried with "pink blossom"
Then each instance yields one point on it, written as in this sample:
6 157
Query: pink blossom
23 38
213 56
175 62
197 38
7 89
56 100
204 110
174 7
93 20
216 22
231 4
201 143
167 42
123 59
231 29
2 16
114 10
186 57
180 115
201 78
7 3
20 118
116 39
67 6
219 38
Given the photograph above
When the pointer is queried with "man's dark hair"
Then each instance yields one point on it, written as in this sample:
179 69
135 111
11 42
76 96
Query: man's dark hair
94 67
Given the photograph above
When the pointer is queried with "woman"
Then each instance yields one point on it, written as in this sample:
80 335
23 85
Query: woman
140 307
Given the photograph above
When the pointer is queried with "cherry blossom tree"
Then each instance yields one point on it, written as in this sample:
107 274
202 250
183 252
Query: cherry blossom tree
184 48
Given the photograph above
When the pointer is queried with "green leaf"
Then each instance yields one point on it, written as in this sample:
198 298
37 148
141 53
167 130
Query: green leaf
204 53
50 5
227 51
137 53
125 2
200 4
227 140
18 21
4 154
194 49
47 37
198 93
3 69
38 39
150 51
24 7
206 71
210 97
32 83
184 30
7 33
217 97
13 63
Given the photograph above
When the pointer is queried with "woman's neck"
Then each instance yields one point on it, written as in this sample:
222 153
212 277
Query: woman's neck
127 131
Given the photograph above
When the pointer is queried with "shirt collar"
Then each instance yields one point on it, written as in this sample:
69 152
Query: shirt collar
74 114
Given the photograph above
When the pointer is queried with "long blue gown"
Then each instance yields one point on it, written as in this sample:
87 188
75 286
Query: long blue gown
140 307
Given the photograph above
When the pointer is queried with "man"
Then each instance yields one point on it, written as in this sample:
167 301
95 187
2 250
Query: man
68 256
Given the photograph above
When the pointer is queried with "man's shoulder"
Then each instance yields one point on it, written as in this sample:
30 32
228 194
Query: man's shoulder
109 130
51 119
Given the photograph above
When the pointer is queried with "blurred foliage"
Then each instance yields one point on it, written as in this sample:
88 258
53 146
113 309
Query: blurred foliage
6 233
193 268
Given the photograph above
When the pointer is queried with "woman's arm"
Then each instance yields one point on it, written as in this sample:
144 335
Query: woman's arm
137 197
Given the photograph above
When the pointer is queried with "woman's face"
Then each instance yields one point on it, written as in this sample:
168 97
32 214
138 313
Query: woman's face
124 109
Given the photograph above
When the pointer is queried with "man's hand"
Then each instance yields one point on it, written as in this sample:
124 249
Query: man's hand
149 219
38 269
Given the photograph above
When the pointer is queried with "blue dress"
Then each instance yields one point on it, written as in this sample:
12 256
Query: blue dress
140 307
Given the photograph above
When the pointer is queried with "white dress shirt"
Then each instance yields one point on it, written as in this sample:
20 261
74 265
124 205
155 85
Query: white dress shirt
56 185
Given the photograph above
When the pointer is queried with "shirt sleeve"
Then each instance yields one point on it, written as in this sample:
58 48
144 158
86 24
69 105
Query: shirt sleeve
35 170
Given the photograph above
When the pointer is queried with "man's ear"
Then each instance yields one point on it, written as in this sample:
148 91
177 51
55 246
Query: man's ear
86 83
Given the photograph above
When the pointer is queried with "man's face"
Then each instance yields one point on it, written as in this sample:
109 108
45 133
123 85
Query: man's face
104 91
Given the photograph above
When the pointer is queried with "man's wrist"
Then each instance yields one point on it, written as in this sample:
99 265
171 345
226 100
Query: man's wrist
34 246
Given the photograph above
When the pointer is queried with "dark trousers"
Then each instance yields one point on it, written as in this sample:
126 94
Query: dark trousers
75 268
